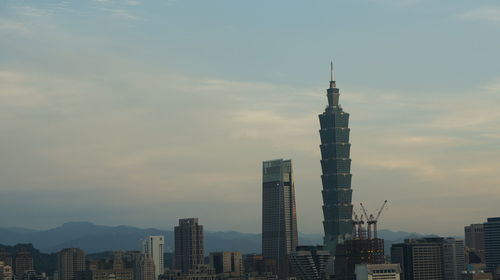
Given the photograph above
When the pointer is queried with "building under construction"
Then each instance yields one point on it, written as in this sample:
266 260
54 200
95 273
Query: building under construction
363 248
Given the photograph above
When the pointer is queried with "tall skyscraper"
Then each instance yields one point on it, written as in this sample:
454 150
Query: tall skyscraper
71 264
492 243
188 251
279 218
153 246
336 169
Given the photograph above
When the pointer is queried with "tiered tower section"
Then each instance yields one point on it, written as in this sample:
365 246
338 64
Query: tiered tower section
336 169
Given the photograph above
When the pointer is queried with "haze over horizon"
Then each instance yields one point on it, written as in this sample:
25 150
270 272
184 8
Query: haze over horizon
142 112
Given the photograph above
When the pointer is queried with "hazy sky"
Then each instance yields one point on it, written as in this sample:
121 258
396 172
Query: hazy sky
143 112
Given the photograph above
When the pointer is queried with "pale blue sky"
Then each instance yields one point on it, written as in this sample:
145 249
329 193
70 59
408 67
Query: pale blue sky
142 112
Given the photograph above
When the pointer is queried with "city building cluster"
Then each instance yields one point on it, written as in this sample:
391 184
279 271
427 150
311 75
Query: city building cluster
351 249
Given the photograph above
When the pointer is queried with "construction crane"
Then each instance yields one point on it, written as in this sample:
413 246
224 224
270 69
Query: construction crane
355 221
376 218
368 221
357 225
372 220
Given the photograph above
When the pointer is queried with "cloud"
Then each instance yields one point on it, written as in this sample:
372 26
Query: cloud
424 170
145 139
482 14
12 26
397 3
132 2
122 13
31 11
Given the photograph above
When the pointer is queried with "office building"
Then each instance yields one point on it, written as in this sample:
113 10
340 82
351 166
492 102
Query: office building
279 218
309 262
474 236
144 267
357 251
114 268
71 264
23 262
5 271
433 258
453 258
253 264
384 271
336 170
474 242
153 246
492 244
189 248
227 264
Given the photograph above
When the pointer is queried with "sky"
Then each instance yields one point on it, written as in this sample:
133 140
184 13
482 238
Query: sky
143 112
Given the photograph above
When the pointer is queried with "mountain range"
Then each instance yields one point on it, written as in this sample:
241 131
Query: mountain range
94 238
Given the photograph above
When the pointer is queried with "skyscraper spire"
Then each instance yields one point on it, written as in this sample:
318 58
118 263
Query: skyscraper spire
332 76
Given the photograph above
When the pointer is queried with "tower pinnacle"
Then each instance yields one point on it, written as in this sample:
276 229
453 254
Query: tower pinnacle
332 76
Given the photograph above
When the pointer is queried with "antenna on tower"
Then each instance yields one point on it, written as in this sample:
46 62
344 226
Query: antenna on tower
332 74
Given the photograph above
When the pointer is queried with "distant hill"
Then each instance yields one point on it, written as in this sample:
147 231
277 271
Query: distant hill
97 238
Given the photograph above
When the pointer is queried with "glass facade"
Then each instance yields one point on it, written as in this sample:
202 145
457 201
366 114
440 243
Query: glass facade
336 171
279 218
492 243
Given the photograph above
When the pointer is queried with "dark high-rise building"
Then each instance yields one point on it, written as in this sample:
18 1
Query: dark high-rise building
309 262
253 264
492 243
189 249
23 263
71 264
336 171
227 264
474 241
357 251
434 258
279 218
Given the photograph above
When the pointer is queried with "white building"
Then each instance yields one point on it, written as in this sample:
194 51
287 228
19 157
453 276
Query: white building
153 246
386 271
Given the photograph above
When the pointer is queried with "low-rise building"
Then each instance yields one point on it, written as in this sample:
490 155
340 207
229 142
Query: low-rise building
386 271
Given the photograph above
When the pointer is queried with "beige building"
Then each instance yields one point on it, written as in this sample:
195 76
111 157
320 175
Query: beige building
71 264
5 271
378 272
144 268
199 272
227 264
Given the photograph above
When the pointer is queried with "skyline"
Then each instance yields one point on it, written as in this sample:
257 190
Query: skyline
115 112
